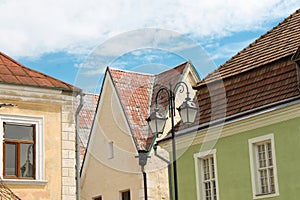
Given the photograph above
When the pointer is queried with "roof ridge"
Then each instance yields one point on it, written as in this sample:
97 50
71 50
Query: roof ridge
209 78
173 68
263 35
35 71
147 74
128 71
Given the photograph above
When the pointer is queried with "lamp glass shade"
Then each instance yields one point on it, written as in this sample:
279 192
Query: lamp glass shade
188 111
157 122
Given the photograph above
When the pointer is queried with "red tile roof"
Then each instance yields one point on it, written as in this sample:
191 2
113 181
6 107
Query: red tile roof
12 72
86 119
86 116
267 85
135 93
283 40
164 79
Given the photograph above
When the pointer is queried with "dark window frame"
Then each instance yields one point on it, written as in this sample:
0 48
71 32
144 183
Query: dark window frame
125 192
98 197
18 152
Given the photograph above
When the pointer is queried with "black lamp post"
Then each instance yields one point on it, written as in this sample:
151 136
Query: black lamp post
157 120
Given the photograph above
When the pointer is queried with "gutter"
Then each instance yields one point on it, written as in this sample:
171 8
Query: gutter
236 117
78 147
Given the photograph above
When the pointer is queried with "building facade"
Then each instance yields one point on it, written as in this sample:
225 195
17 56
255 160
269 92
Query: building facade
245 140
111 169
38 133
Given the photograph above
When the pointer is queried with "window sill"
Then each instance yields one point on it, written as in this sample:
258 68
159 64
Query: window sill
268 195
24 182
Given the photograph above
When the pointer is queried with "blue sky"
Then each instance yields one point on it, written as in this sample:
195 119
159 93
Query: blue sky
60 38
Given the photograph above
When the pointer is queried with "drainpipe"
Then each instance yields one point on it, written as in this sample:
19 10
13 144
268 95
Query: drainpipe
143 156
78 147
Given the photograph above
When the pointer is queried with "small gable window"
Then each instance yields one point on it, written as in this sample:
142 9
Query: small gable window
125 195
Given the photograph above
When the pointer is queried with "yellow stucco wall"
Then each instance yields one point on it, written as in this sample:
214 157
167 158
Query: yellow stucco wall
51 115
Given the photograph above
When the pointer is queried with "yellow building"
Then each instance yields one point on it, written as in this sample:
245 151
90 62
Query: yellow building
119 133
37 128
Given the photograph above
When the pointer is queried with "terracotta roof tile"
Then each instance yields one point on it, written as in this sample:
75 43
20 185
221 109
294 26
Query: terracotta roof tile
265 85
17 71
86 119
86 116
164 79
135 92
4 70
8 78
281 41
26 80
259 77
12 72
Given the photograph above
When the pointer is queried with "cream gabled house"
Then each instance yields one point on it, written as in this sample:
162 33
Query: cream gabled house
120 131
37 130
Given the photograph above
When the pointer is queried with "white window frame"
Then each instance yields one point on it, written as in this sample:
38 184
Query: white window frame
198 159
39 145
253 142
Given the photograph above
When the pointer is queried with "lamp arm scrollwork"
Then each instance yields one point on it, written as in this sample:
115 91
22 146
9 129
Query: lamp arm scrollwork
180 87
160 92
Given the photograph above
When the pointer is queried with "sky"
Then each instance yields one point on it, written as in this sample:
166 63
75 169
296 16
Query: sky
75 40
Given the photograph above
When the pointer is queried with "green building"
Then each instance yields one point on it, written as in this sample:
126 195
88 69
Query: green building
245 143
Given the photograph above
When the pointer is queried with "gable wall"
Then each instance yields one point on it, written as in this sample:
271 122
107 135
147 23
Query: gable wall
104 174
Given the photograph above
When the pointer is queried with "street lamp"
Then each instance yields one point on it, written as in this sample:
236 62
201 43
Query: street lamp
157 120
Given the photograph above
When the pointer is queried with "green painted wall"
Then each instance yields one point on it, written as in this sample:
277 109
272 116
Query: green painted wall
233 164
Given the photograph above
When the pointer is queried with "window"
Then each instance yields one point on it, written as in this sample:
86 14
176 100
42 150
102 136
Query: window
206 175
98 198
22 158
125 195
19 151
110 150
263 167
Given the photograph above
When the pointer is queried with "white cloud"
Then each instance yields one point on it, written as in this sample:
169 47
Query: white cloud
228 50
33 27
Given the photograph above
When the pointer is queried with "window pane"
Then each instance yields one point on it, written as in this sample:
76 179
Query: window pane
207 190
212 167
18 132
26 159
272 185
261 155
10 159
214 190
270 154
264 181
126 195
206 169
